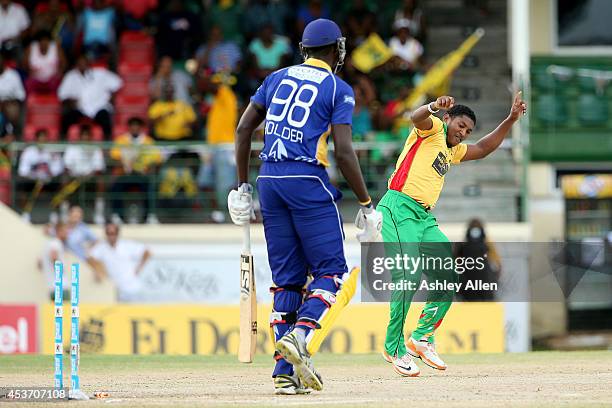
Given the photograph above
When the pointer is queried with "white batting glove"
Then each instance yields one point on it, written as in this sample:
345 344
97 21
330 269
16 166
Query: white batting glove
370 221
240 204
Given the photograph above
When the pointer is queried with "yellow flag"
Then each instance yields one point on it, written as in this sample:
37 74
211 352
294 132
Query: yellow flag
371 53
438 76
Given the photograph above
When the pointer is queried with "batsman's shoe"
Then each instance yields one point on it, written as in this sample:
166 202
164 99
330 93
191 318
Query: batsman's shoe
285 384
387 357
426 351
295 353
405 366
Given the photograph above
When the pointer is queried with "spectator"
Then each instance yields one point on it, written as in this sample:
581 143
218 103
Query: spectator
172 118
138 158
121 260
258 13
219 171
80 237
270 51
166 76
45 63
218 54
39 163
411 12
87 92
97 23
228 15
408 49
14 22
12 94
86 162
477 246
360 23
362 117
310 12
54 16
395 109
179 31
54 250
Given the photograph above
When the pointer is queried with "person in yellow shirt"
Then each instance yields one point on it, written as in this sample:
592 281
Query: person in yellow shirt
138 158
219 168
410 229
172 118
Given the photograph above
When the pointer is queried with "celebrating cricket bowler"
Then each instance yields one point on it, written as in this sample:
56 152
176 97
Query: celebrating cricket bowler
302 106
414 187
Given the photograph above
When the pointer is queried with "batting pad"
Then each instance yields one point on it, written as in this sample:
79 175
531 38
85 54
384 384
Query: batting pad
343 297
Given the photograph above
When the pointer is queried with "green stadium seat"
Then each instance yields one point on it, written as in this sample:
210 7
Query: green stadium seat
551 109
544 81
592 110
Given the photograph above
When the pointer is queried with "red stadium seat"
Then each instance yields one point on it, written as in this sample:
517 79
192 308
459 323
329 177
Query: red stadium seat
119 129
137 55
43 119
135 88
131 100
97 135
135 39
135 71
43 102
29 133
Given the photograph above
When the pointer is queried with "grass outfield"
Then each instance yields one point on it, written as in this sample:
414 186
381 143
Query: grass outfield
488 380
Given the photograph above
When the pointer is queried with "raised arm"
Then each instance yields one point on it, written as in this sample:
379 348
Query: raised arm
251 118
348 163
421 116
490 142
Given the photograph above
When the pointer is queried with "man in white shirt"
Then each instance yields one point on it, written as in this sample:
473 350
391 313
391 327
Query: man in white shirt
14 21
54 251
87 92
83 160
12 94
39 163
407 48
121 260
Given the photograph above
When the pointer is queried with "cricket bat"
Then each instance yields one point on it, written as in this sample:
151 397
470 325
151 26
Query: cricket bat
248 302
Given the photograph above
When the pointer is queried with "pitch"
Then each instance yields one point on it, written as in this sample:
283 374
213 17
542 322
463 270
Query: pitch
476 380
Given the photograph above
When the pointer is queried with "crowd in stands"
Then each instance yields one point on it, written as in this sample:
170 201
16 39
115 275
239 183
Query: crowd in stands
138 72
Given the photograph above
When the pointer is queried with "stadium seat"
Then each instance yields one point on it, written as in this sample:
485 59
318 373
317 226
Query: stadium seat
135 39
43 102
137 55
135 88
135 71
119 129
97 135
551 109
29 133
131 100
592 110
544 81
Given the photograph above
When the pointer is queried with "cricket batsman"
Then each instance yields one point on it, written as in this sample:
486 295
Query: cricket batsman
302 106
414 187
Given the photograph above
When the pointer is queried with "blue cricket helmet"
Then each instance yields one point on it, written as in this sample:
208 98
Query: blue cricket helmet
322 32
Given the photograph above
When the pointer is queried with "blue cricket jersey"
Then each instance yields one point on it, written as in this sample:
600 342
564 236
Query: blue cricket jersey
302 102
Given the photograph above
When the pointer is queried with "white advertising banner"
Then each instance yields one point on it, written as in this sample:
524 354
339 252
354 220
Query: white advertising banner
207 273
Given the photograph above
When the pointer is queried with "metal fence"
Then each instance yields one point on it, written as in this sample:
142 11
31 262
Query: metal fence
165 182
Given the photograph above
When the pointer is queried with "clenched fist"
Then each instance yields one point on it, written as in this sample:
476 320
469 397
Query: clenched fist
444 102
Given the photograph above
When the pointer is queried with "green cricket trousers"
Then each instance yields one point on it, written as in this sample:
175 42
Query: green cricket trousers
410 229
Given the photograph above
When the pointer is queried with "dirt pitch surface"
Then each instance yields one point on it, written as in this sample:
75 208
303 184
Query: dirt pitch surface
542 379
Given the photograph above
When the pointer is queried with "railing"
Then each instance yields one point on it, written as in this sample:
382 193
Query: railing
165 182
185 182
